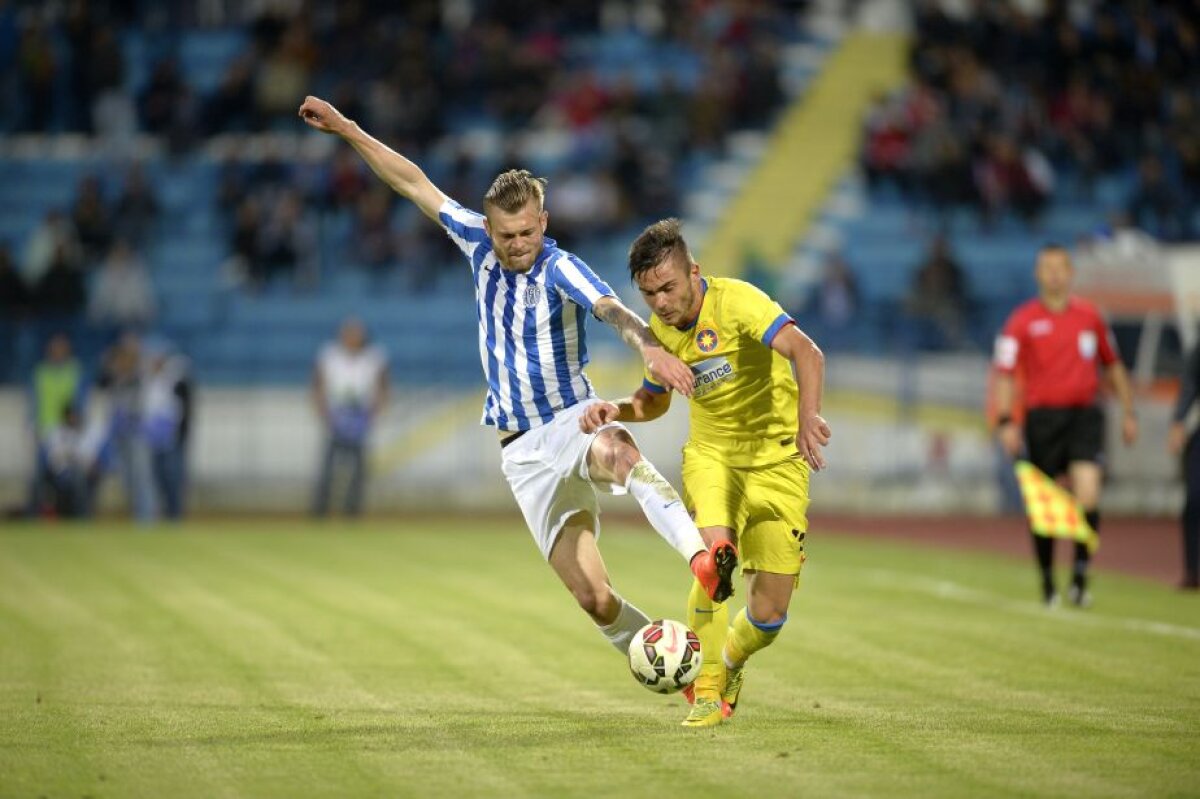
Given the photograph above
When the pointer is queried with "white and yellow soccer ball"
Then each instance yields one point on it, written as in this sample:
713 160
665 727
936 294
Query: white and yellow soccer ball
664 656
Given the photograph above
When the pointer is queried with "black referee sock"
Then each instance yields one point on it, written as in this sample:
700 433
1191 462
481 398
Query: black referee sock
1043 548
1082 554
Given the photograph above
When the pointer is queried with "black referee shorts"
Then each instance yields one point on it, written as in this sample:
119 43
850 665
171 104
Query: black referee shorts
1057 437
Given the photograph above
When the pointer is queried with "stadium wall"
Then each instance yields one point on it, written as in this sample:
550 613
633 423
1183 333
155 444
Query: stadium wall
908 438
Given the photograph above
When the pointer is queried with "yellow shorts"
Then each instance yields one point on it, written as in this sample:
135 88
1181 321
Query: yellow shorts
765 506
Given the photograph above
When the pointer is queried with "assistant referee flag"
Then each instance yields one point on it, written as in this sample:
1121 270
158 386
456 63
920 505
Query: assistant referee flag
1052 511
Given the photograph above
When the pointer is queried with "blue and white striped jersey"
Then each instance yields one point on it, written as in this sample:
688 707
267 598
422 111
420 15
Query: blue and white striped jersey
531 325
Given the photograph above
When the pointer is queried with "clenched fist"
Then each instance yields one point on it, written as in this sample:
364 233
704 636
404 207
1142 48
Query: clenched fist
323 116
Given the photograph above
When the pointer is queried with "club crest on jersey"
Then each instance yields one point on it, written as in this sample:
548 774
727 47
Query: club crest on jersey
706 340
533 294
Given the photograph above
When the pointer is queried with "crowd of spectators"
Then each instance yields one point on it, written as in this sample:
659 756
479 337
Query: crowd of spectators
1005 109
81 265
128 416
418 74
85 257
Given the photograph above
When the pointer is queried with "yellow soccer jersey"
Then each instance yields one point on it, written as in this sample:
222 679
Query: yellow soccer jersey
743 406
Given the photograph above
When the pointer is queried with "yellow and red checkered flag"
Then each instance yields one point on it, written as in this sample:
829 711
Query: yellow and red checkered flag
1052 511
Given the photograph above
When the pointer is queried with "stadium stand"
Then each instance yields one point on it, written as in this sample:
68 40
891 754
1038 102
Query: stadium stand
1014 130
660 110
263 239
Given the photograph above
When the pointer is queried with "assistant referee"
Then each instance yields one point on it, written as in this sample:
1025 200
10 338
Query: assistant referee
1060 344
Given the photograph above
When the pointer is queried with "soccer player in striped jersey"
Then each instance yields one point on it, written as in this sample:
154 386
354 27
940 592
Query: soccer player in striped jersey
756 432
531 298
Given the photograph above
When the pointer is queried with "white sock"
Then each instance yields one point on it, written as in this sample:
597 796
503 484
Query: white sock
629 620
664 509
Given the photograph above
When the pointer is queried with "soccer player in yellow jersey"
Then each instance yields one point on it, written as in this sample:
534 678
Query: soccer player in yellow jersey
756 434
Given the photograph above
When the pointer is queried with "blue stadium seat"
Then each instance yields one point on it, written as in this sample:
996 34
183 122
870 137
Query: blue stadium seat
205 55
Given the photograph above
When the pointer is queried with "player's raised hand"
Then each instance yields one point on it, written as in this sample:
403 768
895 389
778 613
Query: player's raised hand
597 415
669 371
814 434
322 116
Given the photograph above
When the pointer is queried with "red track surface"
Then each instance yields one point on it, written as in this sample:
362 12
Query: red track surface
1144 547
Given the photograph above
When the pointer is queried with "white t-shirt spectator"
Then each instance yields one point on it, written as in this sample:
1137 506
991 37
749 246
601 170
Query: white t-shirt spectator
351 382
122 293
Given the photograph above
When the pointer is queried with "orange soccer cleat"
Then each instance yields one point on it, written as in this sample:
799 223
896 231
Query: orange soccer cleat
714 569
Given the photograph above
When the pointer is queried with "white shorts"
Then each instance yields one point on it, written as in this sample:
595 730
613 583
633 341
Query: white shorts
547 471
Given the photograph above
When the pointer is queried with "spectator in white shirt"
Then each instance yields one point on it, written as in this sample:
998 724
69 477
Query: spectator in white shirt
350 388
122 296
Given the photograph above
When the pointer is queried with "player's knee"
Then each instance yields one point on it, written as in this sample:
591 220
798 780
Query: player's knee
619 454
772 618
768 619
626 457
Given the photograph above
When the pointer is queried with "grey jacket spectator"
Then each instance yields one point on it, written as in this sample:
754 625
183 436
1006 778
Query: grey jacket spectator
122 295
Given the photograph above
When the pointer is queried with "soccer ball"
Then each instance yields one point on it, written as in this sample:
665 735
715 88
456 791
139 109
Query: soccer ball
664 656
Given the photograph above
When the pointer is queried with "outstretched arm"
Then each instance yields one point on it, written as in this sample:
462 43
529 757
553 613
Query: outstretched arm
405 177
664 367
644 406
808 364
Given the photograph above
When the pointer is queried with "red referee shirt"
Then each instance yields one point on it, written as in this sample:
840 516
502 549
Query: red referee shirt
1056 352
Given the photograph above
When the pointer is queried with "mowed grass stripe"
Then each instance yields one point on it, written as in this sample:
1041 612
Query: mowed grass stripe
101 677
983 726
460 668
837 612
280 625
292 660
489 611
418 608
1043 676
506 587
224 663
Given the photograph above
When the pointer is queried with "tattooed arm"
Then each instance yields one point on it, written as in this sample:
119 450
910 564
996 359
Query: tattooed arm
664 367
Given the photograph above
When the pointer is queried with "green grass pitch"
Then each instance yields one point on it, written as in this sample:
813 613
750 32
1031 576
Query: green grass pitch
442 658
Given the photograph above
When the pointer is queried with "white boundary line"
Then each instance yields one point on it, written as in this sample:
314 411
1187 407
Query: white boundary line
948 589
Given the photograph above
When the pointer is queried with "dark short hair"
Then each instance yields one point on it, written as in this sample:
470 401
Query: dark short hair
512 189
656 243
1052 246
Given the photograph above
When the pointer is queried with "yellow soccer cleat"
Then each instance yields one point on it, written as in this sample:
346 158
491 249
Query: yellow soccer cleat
705 713
733 687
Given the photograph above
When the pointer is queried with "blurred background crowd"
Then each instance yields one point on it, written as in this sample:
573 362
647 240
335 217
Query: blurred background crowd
157 183
1007 109
619 104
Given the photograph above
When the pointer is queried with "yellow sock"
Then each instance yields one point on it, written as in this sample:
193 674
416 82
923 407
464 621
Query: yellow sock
710 620
747 636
